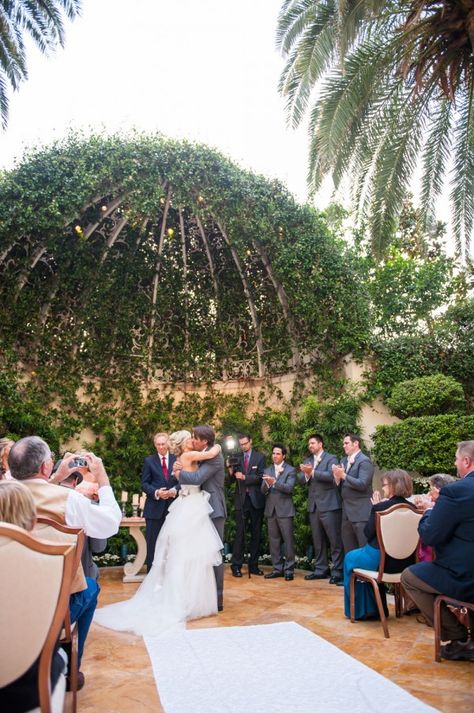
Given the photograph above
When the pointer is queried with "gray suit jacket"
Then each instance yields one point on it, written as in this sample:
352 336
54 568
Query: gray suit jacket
356 489
323 492
210 475
279 500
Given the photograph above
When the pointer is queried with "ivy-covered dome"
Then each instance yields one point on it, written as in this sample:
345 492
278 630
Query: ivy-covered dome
144 257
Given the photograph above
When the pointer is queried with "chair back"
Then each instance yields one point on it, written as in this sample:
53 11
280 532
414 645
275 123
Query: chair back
47 529
34 596
397 532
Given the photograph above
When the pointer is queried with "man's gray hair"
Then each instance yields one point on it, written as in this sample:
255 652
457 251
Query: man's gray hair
466 448
27 456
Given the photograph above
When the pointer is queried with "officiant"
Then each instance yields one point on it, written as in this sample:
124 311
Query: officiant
161 487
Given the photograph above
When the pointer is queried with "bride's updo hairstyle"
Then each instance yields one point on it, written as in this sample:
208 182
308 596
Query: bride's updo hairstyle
176 441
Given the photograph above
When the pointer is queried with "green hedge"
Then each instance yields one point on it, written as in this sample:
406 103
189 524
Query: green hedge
427 396
424 445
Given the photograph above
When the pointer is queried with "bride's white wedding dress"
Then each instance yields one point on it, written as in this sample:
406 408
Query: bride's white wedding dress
181 584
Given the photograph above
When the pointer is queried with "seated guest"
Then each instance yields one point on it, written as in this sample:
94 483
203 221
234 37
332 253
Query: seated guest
397 486
449 528
17 507
436 482
30 461
5 447
92 545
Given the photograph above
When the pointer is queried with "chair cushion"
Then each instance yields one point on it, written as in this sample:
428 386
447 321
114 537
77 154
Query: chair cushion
371 574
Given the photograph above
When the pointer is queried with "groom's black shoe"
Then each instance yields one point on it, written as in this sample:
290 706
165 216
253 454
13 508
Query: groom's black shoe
236 571
273 575
289 576
315 575
257 571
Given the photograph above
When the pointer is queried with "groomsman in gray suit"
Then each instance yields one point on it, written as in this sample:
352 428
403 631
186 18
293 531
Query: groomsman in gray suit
278 483
324 508
354 475
210 475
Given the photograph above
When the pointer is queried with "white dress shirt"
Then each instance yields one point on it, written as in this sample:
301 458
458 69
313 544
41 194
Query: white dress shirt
99 520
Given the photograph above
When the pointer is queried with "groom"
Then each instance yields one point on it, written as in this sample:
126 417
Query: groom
210 475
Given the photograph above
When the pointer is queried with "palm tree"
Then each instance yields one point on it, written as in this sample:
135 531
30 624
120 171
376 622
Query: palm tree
394 86
42 20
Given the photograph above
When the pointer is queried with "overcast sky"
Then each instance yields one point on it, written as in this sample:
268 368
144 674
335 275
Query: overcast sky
204 70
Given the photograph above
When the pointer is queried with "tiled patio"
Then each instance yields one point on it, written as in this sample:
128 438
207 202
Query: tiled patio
119 677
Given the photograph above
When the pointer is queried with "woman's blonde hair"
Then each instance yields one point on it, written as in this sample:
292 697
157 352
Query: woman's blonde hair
17 506
176 441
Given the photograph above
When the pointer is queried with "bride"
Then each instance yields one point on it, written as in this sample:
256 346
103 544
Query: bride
181 584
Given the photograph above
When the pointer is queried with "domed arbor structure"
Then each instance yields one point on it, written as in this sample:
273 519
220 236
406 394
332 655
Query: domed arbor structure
138 258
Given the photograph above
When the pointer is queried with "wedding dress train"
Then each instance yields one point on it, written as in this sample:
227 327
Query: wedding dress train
181 584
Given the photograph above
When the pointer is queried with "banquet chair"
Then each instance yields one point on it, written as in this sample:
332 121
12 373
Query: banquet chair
397 536
464 609
51 530
34 598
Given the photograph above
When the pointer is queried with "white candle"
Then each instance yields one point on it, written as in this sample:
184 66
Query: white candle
124 497
135 499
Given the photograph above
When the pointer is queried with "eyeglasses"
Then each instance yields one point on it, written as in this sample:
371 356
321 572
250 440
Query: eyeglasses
384 485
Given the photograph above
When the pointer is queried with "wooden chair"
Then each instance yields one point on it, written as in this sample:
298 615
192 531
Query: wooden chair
48 529
464 607
34 598
397 535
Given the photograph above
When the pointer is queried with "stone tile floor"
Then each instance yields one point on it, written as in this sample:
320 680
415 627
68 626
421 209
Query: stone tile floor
119 678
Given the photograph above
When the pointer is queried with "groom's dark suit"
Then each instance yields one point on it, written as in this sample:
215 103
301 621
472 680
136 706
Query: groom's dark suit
211 475
155 510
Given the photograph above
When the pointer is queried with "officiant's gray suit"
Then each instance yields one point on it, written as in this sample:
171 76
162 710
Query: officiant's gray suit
325 513
210 476
356 491
279 511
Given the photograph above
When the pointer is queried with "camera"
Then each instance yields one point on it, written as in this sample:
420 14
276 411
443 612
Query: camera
78 462
233 461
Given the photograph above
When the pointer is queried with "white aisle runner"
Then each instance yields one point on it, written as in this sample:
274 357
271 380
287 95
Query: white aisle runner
276 668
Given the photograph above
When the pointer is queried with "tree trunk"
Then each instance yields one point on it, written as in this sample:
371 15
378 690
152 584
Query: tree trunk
250 303
282 298
215 285
23 278
154 293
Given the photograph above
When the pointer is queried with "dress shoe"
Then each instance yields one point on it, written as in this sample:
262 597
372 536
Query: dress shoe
314 575
273 575
257 572
289 577
338 581
236 572
459 650
80 681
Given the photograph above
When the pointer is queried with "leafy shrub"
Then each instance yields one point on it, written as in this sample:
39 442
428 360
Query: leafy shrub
427 396
424 445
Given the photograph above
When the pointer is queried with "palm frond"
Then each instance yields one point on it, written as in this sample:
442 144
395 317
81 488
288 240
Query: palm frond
435 159
462 180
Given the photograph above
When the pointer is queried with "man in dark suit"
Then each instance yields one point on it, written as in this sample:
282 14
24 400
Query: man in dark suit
278 483
160 486
354 476
449 528
211 476
249 504
324 508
